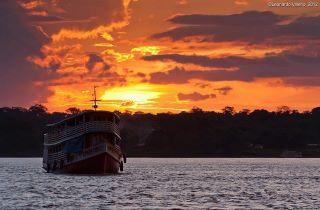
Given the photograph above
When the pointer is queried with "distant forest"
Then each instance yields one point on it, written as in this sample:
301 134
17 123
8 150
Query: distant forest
197 133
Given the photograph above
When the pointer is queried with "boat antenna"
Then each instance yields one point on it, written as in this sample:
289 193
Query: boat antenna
95 106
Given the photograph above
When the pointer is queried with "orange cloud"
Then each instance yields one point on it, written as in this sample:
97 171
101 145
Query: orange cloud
79 34
146 50
241 2
39 13
32 4
103 45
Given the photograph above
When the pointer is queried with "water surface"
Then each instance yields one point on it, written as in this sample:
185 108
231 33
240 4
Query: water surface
165 184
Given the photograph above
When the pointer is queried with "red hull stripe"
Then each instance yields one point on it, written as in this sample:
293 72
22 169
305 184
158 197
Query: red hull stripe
100 164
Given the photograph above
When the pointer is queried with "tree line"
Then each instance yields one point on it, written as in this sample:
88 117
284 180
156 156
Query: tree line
197 133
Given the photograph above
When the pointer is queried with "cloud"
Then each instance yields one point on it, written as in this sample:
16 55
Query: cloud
231 61
173 76
43 18
241 2
195 96
127 104
244 19
264 26
303 26
22 82
224 90
283 65
179 75
303 81
99 12
55 58
202 85
225 27
90 20
64 33
183 2
94 59
140 74
31 4
77 19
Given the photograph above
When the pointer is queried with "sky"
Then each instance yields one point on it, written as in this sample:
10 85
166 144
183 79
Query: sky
159 56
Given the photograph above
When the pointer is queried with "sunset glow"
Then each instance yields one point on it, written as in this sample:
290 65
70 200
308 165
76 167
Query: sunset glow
133 96
146 55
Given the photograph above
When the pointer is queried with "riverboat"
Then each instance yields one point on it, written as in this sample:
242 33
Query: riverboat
88 143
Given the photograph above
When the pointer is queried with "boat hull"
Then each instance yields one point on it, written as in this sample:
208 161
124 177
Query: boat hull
99 164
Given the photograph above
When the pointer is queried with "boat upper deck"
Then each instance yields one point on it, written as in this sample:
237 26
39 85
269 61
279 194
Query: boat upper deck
86 122
89 115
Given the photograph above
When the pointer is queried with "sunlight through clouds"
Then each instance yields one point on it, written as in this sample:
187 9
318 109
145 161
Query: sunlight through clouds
138 94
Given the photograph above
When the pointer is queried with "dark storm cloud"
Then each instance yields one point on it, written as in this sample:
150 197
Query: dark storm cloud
181 76
76 14
101 11
303 26
200 60
280 65
173 76
246 18
250 27
195 96
303 81
94 59
18 40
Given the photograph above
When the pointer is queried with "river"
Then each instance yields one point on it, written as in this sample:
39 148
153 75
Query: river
166 183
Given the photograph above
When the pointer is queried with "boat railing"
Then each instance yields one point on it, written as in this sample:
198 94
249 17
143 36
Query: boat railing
80 129
91 151
68 158
86 153
57 156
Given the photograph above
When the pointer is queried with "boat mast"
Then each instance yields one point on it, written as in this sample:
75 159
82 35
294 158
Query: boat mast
95 106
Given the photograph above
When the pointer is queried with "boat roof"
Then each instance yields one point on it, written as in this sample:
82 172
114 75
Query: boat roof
82 113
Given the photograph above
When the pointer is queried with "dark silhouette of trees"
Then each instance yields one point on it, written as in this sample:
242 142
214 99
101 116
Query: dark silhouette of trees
228 110
284 110
73 111
198 133
316 112
38 109
196 110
